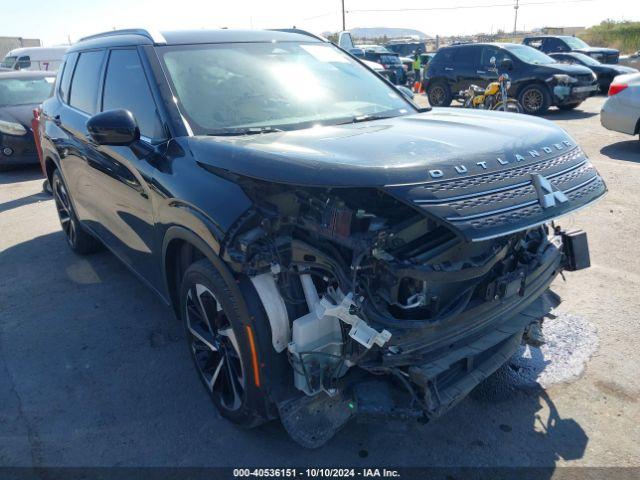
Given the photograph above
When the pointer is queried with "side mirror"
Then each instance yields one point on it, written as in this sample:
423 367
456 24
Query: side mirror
507 64
405 91
114 127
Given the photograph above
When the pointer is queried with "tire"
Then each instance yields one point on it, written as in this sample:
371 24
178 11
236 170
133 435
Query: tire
512 106
534 99
224 353
569 106
439 94
79 240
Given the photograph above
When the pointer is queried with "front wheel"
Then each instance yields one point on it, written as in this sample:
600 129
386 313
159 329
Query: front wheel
223 344
535 99
512 106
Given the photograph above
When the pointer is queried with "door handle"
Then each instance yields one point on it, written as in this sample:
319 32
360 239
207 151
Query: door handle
482 72
448 69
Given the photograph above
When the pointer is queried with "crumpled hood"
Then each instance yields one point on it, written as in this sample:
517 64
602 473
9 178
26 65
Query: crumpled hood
393 151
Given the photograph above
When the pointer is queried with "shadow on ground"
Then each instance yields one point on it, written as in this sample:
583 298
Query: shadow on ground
20 174
94 370
628 151
577 114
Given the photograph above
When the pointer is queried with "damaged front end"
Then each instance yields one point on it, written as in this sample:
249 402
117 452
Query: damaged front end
431 286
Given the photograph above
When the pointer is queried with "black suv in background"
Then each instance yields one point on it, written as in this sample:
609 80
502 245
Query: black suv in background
566 43
537 80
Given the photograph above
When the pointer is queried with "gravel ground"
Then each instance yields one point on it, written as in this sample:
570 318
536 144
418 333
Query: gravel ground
94 370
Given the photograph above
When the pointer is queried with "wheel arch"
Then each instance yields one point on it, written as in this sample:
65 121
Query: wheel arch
183 245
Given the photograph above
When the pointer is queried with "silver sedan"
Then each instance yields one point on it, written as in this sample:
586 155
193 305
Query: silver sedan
621 111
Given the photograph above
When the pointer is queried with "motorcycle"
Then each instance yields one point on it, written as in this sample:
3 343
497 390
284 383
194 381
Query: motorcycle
494 97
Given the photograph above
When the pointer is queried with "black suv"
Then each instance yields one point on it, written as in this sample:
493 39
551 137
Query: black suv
566 43
537 80
330 248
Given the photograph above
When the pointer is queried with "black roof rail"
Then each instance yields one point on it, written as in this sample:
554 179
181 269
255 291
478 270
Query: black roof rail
155 36
299 32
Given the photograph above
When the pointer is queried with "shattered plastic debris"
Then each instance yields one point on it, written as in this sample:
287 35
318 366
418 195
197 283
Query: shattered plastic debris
570 342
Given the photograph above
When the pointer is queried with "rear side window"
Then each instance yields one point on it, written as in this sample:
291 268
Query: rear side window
444 55
65 79
84 86
467 55
126 86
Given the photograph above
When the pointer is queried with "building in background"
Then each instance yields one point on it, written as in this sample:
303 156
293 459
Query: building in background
9 43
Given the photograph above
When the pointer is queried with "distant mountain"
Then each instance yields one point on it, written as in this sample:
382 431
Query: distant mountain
388 32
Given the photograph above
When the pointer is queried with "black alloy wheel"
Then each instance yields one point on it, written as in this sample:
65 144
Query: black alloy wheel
230 342
534 99
215 348
78 238
439 95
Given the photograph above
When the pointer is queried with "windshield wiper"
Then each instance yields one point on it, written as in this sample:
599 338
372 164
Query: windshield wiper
366 118
243 131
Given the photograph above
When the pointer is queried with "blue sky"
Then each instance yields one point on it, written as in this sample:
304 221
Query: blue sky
54 21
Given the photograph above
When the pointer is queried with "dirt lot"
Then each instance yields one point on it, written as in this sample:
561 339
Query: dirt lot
94 371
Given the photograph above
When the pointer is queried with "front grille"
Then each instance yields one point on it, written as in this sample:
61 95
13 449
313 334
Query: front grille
466 183
503 201
585 79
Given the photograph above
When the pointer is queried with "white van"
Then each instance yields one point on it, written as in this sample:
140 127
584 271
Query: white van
34 58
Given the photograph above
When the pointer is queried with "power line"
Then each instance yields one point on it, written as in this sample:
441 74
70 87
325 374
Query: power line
463 7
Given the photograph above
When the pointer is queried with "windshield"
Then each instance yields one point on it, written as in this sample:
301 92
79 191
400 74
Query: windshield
25 91
275 85
8 62
529 54
575 42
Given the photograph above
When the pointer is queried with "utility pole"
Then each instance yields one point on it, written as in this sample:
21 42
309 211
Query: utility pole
344 26
515 21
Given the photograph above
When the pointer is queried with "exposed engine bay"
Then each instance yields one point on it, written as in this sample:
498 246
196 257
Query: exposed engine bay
387 291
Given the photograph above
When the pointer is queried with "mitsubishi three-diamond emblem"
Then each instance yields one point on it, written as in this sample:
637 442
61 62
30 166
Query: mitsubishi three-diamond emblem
548 195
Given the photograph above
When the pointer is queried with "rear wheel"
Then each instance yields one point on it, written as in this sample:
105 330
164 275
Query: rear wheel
439 94
78 238
223 345
534 99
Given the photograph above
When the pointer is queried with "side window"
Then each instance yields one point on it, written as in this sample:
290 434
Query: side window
498 53
534 42
554 45
84 86
444 55
126 86
23 62
467 55
65 79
